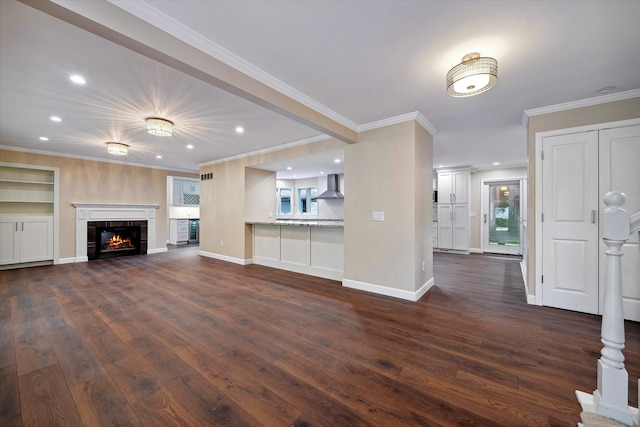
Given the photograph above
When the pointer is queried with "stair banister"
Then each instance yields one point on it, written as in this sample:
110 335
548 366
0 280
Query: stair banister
611 398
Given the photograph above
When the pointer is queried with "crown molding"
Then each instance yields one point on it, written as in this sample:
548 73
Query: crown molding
268 150
95 159
635 93
145 11
416 115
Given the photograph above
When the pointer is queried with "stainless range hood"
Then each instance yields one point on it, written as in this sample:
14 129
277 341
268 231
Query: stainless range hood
333 182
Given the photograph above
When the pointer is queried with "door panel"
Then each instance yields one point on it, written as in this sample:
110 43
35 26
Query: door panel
445 225
620 171
460 227
569 228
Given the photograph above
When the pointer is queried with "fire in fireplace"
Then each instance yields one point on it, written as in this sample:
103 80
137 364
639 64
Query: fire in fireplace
107 239
110 241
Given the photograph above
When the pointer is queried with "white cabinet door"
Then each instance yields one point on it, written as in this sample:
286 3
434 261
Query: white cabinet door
26 239
461 187
570 225
620 171
445 226
36 239
460 227
9 241
445 187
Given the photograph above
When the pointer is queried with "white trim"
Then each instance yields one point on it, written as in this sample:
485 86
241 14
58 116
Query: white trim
225 258
145 11
578 104
475 251
387 291
156 251
70 260
114 206
95 159
268 150
325 273
416 115
501 167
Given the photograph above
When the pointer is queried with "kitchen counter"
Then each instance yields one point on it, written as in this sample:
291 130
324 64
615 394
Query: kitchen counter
308 247
302 222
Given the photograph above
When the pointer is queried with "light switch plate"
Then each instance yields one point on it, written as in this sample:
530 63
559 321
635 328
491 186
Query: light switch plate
377 216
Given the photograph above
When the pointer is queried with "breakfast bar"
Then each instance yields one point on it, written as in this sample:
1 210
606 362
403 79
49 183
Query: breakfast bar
309 247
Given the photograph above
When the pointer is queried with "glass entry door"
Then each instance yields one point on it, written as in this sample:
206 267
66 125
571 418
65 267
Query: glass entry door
501 218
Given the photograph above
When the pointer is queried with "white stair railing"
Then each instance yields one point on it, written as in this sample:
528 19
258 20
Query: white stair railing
611 398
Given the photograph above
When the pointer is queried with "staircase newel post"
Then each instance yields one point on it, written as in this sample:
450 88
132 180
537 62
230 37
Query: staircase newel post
611 397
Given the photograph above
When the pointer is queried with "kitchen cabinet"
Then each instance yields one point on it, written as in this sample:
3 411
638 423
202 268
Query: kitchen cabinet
453 187
184 192
178 231
26 239
453 210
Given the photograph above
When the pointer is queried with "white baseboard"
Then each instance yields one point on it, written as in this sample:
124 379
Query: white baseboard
476 250
69 260
226 258
156 251
391 292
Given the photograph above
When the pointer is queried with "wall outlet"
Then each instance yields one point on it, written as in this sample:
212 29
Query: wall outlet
270 214
377 216
473 214
424 265
221 243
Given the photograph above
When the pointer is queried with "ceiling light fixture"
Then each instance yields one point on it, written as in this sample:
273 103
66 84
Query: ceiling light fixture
239 129
117 148
44 138
56 119
159 127
473 76
77 79
190 146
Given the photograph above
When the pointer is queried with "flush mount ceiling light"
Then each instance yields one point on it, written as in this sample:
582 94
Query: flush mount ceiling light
473 76
117 148
159 127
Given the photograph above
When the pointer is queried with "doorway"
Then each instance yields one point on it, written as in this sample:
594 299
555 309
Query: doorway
502 216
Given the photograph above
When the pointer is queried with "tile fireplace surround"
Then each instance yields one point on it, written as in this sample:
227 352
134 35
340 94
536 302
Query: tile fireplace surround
86 212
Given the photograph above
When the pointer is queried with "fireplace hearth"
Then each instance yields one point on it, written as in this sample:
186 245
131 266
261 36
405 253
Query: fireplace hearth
108 239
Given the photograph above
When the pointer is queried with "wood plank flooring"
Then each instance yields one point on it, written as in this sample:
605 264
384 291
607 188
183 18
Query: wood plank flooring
178 339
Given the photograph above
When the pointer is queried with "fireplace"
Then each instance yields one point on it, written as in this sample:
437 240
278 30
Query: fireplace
108 239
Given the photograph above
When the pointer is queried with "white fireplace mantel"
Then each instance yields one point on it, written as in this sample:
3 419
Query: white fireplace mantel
86 212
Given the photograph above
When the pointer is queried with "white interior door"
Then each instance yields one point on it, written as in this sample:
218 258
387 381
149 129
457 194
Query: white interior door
620 171
570 223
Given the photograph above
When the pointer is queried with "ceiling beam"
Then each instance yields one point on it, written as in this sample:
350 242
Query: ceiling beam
114 24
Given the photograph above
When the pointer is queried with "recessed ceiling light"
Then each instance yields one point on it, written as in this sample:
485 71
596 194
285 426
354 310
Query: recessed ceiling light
56 119
496 163
289 168
321 172
43 138
77 79
606 89
336 161
190 146
294 176
158 156
239 129
440 166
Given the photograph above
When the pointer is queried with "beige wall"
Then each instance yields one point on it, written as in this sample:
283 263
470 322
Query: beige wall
89 181
475 196
602 113
389 170
260 195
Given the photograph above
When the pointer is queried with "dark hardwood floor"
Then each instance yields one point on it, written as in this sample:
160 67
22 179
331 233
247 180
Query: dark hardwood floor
178 339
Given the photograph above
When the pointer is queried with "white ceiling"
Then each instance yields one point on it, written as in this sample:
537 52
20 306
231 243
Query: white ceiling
357 61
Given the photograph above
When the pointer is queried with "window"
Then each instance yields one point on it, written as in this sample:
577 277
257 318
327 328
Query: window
307 203
284 201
